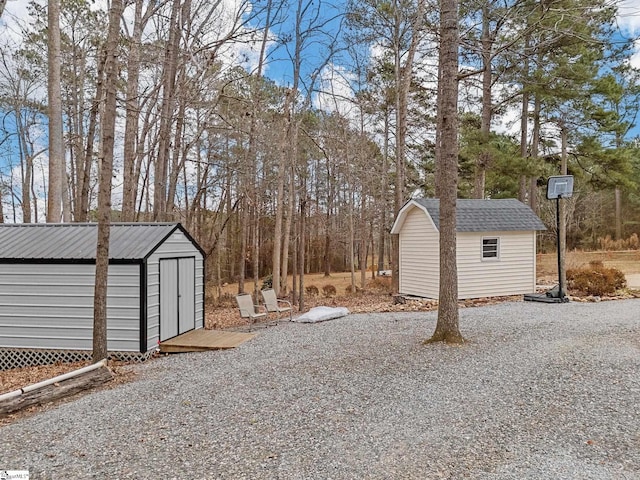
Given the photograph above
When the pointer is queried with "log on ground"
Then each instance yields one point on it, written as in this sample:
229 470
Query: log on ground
55 391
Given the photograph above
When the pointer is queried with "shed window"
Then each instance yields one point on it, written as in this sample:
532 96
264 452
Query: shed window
490 248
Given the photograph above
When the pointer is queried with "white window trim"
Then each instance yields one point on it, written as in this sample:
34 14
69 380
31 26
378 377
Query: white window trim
490 259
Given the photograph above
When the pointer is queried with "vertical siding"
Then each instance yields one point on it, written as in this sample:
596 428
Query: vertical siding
186 293
177 245
419 257
168 299
513 273
51 306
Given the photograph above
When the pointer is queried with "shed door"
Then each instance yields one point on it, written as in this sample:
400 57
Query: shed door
177 296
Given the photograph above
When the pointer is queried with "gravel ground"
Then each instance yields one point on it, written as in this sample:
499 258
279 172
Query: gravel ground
540 392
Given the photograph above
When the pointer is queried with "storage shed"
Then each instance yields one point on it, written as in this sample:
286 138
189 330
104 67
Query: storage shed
47 274
496 247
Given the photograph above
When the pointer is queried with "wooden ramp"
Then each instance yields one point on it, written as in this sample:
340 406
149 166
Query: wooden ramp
201 340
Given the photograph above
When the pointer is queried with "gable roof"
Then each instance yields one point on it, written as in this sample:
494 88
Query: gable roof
77 241
474 215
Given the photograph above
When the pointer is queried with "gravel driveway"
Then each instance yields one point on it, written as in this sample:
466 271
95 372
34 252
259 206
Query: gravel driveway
540 392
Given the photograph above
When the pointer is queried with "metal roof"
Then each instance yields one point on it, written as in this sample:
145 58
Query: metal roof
487 215
77 241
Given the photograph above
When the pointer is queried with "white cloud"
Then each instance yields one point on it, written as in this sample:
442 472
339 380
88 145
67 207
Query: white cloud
14 19
629 16
336 93
629 22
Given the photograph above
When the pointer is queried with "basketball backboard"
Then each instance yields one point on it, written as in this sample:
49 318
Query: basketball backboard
560 186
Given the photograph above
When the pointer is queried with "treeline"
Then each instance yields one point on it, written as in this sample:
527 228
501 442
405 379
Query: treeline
285 135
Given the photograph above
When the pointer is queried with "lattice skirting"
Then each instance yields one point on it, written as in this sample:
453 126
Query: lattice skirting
28 357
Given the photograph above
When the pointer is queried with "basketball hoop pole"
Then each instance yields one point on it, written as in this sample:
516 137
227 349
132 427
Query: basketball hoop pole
559 187
560 286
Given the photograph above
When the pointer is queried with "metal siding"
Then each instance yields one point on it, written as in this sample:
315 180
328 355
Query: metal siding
168 299
51 306
419 256
186 294
153 308
176 245
74 241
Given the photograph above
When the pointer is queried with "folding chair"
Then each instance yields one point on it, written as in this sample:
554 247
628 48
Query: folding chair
273 303
248 309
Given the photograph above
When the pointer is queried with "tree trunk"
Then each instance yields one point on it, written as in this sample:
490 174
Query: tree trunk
524 121
255 240
130 180
66 199
327 225
166 116
279 202
26 173
295 258
447 329
244 231
484 157
382 235
177 160
257 107
84 180
562 228
618 198
535 152
618 201
364 240
65 387
403 76
303 217
56 148
290 210
106 173
352 239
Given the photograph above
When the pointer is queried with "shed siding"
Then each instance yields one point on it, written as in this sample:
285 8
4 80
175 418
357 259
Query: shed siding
419 257
51 306
177 245
512 273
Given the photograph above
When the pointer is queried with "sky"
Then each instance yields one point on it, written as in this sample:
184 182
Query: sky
332 77
629 23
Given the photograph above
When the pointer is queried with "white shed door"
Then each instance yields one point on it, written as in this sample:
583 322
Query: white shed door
177 296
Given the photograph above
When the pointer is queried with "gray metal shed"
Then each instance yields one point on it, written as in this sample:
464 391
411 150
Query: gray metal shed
47 274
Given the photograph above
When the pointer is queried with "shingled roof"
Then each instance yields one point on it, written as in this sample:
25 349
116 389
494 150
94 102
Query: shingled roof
77 241
484 215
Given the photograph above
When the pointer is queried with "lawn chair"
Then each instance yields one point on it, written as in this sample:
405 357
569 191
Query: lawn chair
273 303
248 309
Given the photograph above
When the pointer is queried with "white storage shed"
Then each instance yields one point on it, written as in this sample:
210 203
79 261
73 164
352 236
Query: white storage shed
496 247
47 275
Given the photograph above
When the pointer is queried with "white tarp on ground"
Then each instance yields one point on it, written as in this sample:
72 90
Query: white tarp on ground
320 314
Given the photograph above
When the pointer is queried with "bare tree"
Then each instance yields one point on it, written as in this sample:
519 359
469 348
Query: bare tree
56 148
132 103
447 174
170 66
106 173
